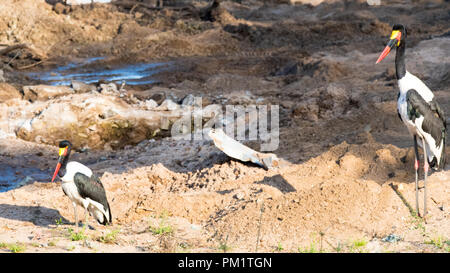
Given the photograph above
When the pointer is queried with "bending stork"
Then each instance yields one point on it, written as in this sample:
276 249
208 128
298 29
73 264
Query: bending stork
418 109
82 187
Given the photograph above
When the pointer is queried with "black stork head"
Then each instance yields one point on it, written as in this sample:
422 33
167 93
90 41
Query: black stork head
398 37
64 150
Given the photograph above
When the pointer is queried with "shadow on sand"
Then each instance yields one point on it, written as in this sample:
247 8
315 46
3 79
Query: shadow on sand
39 216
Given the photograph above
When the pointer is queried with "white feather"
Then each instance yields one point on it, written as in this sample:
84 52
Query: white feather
402 107
74 167
409 81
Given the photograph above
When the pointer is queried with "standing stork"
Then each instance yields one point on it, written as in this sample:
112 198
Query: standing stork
82 187
418 109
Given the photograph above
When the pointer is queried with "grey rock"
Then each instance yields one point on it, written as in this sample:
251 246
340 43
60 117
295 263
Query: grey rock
81 87
45 92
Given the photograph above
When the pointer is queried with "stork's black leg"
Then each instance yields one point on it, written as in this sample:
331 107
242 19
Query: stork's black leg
425 169
416 167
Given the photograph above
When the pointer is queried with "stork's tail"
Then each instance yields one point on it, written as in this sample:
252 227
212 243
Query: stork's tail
110 216
103 216
107 221
442 162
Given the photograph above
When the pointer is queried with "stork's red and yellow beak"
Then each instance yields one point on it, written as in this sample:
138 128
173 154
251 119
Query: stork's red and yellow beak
394 40
56 170
62 153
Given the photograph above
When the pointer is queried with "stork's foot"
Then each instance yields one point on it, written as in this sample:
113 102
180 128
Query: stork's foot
86 244
86 226
80 224
424 217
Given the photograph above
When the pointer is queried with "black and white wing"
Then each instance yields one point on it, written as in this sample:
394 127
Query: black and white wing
430 123
92 188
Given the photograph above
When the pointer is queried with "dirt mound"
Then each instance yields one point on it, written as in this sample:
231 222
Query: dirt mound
344 194
348 193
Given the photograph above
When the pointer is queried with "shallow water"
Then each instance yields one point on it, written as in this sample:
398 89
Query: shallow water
90 70
14 177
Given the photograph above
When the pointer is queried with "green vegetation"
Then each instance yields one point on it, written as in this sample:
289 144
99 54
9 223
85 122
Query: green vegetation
58 222
338 248
76 236
279 247
312 248
224 247
315 246
163 227
110 237
184 247
358 245
419 224
439 242
14 248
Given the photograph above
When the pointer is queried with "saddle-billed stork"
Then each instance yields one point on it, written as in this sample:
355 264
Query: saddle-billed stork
419 110
82 187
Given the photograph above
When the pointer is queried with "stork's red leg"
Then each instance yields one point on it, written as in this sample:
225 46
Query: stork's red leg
416 167
425 169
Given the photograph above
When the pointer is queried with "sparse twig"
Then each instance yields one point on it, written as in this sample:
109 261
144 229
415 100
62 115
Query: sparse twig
411 210
15 56
133 4
11 48
224 246
321 239
259 225
145 8
30 65
132 9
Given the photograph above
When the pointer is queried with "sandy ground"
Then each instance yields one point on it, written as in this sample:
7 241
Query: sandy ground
348 182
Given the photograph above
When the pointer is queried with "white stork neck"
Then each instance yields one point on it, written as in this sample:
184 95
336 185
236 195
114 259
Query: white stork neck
409 81
74 167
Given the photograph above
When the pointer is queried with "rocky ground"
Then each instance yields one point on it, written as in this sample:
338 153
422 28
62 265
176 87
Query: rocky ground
347 182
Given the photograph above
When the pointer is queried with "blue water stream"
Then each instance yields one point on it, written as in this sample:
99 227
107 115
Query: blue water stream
14 177
85 71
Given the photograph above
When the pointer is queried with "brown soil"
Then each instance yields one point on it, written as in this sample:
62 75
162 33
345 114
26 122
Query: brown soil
349 181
